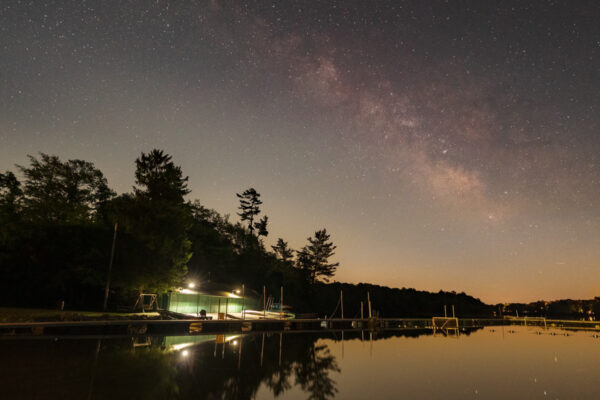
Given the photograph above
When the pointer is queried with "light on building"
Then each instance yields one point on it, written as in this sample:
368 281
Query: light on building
191 285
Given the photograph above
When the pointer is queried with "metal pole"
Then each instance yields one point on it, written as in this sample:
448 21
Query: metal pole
342 302
243 300
453 315
226 307
219 309
110 264
264 306
369 303
361 311
445 313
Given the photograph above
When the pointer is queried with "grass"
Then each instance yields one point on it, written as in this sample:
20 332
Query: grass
14 314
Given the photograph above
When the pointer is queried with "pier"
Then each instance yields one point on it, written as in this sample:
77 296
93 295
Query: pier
191 326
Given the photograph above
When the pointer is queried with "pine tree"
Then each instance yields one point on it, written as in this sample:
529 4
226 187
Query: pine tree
249 206
156 218
282 250
314 257
158 178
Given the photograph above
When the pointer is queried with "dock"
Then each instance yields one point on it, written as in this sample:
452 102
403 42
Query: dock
137 327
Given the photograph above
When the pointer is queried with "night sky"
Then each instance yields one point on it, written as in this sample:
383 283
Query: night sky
445 145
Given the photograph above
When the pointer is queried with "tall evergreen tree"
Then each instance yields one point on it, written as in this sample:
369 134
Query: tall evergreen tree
282 251
249 206
155 220
159 178
314 257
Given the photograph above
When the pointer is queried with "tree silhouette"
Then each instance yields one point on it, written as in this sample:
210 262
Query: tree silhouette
69 191
312 374
282 250
10 193
314 257
249 206
158 178
155 221
261 227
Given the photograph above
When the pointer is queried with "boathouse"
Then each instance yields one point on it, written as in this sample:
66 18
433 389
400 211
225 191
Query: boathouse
216 303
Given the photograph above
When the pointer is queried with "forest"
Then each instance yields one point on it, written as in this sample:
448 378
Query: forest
58 220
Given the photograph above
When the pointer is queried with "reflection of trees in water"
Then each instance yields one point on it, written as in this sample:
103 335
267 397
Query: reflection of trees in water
81 369
312 373
141 374
279 382
303 362
73 369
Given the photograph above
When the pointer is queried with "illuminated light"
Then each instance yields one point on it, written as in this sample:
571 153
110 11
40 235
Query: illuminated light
237 291
191 285
187 291
181 346
185 353
232 339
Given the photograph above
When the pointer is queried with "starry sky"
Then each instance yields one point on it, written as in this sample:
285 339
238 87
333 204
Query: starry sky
447 145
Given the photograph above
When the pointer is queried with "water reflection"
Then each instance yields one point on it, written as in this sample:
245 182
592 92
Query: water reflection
235 369
290 365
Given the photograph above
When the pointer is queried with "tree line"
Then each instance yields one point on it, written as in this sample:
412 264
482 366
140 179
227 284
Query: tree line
56 229
57 223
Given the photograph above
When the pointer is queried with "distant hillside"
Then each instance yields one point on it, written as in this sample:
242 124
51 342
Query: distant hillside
566 308
391 302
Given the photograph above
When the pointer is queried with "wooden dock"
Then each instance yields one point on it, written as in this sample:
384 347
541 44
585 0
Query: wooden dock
137 327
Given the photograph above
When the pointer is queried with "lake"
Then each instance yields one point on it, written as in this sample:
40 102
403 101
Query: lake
510 362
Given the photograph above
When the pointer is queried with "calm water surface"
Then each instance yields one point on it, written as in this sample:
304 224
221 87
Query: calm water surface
490 363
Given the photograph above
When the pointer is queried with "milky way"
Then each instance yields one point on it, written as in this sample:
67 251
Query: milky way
446 145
